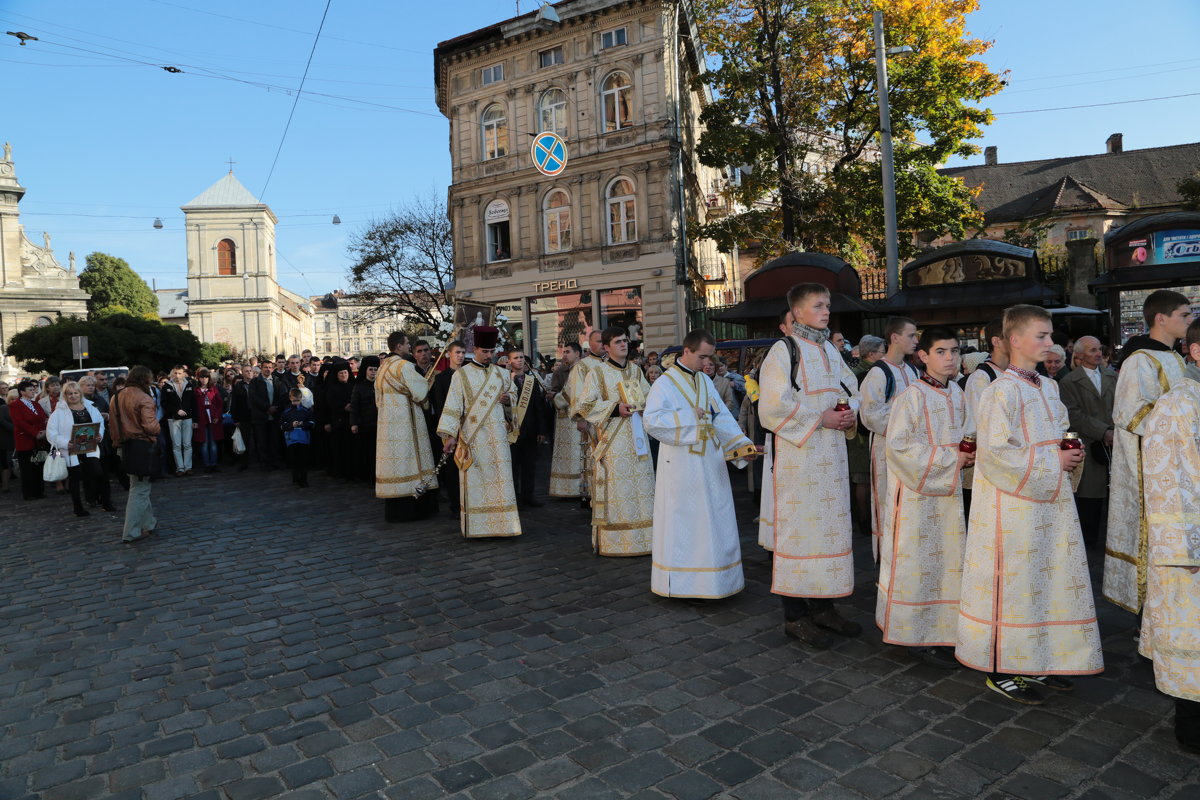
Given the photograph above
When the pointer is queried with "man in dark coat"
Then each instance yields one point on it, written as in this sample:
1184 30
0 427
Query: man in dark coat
268 395
1088 392
456 353
533 417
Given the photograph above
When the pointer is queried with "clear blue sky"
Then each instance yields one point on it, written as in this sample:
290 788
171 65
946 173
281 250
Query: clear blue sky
127 142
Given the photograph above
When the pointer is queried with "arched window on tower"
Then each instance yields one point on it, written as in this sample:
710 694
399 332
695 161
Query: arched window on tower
226 257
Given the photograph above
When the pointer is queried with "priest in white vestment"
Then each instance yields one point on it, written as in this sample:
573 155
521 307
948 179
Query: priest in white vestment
883 383
921 550
1171 616
566 464
474 429
1148 369
613 397
404 460
696 548
593 358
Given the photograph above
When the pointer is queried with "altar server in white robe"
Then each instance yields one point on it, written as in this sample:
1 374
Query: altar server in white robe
1171 621
801 381
1148 369
696 552
576 411
883 383
921 550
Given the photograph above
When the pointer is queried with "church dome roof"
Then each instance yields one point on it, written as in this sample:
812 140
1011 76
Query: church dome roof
227 192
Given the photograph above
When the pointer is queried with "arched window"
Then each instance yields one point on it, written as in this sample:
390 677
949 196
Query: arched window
556 212
552 112
226 257
616 95
495 132
622 212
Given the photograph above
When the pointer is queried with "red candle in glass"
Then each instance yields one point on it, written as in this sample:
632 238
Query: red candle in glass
967 445
843 404
1071 441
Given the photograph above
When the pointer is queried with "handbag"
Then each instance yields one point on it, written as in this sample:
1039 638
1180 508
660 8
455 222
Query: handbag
55 468
38 457
141 458
239 442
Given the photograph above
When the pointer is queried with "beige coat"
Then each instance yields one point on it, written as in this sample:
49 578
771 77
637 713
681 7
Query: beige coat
1091 416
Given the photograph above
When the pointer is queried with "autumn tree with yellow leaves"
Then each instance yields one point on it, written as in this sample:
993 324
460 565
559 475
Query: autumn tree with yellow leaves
795 101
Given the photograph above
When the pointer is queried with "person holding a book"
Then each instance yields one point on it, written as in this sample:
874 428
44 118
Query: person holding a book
76 428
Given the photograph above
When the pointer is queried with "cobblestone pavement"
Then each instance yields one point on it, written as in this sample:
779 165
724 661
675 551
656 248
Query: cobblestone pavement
260 646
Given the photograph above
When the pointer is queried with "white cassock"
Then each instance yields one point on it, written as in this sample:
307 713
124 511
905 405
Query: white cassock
977 382
921 550
876 409
696 548
1145 376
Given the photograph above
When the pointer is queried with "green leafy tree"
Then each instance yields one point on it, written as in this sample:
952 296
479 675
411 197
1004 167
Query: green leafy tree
213 353
1189 189
115 287
118 339
797 104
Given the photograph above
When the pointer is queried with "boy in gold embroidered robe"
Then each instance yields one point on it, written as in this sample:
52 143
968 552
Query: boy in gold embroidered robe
404 459
696 548
809 480
1150 369
1026 615
920 552
473 427
1171 616
593 358
623 474
566 464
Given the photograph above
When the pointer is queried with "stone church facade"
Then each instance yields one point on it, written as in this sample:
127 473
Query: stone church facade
233 293
35 289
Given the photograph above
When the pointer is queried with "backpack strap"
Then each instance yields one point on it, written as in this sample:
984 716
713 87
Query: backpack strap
987 367
889 386
794 359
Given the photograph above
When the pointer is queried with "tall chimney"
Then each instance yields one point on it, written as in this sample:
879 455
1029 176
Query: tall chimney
989 156
1114 143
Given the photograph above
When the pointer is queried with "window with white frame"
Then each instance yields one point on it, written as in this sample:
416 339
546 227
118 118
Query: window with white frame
556 213
495 132
616 95
622 212
496 218
1078 233
613 38
492 74
551 57
552 111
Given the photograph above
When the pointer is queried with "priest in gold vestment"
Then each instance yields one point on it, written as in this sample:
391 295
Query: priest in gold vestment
807 493
404 460
612 399
1171 615
566 464
920 552
593 358
1149 368
1026 615
473 428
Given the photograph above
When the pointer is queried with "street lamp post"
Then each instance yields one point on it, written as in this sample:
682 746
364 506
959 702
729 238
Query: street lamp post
889 172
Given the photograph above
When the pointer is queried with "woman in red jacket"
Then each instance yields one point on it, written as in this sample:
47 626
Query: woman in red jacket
29 436
207 428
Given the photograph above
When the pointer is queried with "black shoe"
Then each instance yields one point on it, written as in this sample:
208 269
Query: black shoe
534 504
831 620
80 511
585 503
1015 688
109 509
1055 682
942 657
807 631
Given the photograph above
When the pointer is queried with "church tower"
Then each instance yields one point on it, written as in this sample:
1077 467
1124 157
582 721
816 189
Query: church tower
233 291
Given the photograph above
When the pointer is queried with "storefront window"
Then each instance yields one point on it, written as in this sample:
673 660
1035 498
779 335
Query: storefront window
623 307
559 318
1131 320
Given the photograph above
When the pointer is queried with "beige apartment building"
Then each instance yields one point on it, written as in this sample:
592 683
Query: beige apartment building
346 327
606 240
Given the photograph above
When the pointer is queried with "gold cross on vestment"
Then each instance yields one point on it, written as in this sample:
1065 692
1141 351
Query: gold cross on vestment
1079 587
1048 569
1041 636
1042 471
1043 528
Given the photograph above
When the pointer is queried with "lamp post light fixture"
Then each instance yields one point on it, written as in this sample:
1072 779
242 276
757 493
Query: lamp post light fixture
158 223
890 244
337 220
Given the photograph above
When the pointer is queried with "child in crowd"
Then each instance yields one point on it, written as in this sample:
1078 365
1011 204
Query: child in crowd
297 424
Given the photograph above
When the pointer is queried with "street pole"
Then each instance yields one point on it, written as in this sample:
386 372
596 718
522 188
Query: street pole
889 173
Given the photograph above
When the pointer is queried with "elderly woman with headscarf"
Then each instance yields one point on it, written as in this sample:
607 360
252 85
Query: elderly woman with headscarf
364 419
336 420
82 452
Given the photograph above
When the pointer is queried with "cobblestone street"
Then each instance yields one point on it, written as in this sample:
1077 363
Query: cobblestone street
268 643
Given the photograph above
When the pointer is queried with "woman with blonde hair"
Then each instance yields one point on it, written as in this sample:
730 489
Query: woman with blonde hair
82 452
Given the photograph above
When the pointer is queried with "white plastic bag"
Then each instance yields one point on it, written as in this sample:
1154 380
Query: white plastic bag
55 468
239 444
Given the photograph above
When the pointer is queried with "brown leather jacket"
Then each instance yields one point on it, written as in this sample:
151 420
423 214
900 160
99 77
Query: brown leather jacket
131 416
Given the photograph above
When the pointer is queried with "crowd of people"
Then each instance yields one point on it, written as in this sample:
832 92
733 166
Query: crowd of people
985 480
